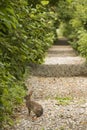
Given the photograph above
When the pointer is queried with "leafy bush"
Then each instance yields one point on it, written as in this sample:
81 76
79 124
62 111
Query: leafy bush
82 42
78 23
11 94
74 17
26 32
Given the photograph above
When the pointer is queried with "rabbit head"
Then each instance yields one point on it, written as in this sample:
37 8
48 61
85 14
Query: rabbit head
27 97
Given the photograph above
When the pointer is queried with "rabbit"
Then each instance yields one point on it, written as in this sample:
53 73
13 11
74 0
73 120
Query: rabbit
33 106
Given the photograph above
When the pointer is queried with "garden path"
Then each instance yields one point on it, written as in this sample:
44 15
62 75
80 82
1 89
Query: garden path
60 86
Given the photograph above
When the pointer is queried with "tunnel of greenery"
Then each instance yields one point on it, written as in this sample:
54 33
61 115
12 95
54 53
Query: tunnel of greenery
27 30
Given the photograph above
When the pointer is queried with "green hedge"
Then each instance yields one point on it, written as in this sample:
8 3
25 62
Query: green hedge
82 44
26 32
73 14
79 25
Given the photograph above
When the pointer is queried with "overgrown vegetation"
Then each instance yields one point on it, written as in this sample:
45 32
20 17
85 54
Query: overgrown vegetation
27 30
73 14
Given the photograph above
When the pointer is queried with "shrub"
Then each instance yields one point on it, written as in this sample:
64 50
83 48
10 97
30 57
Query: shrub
82 42
26 32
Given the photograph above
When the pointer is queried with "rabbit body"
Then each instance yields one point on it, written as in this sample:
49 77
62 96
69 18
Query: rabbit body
33 106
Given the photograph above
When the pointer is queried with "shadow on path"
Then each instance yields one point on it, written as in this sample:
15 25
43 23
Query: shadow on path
61 41
63 70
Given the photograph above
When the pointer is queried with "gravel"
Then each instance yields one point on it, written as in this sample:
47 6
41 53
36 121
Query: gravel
62 76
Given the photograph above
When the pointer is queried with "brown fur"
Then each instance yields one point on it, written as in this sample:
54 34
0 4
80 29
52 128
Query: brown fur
33 106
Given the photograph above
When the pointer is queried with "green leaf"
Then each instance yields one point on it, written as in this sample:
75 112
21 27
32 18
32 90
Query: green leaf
44 2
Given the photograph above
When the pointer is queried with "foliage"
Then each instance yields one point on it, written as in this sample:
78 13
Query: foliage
73 13
78 23
26 32
64 10
82 43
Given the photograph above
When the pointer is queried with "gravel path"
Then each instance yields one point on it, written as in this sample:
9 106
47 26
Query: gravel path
60 86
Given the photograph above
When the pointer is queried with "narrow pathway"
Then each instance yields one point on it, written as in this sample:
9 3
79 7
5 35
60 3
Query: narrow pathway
60 86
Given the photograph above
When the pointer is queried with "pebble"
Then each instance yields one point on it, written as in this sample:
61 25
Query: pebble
58 77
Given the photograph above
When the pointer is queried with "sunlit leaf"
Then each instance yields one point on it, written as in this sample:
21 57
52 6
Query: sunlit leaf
44 2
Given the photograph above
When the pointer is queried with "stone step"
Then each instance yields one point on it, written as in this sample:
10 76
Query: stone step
61 51
56 65
64 60
59 70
